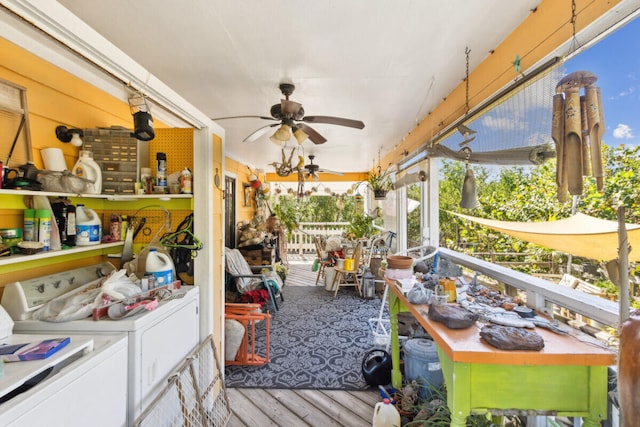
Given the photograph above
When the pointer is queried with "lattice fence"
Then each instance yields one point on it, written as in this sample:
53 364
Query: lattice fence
195 395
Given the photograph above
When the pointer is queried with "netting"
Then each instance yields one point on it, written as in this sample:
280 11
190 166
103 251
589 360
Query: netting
509 126
194 396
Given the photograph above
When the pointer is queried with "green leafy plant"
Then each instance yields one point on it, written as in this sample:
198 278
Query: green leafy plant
361 225
380 180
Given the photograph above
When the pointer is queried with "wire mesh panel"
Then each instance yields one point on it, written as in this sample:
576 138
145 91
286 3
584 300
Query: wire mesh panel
194 396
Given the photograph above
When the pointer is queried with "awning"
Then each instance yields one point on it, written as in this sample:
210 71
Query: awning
581 235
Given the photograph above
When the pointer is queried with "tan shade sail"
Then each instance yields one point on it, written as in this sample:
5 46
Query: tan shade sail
580 235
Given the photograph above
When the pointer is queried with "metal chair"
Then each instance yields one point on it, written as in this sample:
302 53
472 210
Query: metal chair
245 279
340 279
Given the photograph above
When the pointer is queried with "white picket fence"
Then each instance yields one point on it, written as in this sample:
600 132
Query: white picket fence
301 242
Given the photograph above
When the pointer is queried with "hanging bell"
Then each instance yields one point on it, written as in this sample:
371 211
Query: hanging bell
468 200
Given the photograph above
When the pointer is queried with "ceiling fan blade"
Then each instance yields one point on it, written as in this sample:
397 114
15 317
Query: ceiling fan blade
314 136
243 117
334 121
259 132
330 172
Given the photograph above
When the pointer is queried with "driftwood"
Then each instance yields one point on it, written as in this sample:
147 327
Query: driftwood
453 317
629 371
511 338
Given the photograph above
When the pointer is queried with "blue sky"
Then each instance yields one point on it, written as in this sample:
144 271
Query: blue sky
616 61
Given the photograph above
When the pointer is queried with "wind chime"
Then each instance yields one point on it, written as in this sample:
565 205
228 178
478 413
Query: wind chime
468 198
577 128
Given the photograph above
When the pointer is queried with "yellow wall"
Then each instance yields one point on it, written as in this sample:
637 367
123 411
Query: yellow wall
54 97
242 172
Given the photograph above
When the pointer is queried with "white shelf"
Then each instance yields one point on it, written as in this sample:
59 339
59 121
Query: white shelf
17 258
117 197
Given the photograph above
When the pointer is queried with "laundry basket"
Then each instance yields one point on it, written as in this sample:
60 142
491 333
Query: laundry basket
381 330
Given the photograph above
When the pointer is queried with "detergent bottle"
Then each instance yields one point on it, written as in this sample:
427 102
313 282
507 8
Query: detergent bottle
385 415
88 226
160 266
87 168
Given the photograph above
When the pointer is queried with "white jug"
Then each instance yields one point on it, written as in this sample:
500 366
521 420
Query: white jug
386 415
87 168
160 266
88 227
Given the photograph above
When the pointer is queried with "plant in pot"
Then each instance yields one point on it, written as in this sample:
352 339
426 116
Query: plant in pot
379 182
360 226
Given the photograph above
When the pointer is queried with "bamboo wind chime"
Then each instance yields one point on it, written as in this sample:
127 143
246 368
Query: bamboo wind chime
577 129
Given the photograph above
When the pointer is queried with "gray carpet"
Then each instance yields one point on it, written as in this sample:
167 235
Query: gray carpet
317 342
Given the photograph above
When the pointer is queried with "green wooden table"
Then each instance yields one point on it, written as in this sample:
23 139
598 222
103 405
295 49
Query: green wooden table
566 378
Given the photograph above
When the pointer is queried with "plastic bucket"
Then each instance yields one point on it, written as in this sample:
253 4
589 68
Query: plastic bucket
329 274
348 264
421 363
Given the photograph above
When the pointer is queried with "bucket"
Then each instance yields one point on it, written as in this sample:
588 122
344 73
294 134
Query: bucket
160 266
329 274
88 227
348 264
340 263
421 363
87 168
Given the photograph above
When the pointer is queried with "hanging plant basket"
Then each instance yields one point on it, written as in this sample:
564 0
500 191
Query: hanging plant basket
380 194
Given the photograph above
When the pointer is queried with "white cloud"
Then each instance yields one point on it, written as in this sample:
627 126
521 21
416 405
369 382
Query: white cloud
504 123
623 132
629 91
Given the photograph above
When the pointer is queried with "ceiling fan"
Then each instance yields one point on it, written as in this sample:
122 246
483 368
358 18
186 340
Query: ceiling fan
311 170
291 119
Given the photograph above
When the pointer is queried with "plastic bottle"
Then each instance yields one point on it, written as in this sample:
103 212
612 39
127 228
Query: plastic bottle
43 219
160 266
29 233
59 209
161 170
88 226
116 228
87 168
71 225
186 181
385 415
124 226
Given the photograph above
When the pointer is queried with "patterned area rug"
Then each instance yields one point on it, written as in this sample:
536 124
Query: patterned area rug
317 342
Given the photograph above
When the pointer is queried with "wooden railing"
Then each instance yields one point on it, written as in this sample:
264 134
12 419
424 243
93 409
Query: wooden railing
300 241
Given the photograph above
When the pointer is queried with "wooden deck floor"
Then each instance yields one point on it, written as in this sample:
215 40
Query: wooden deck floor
278 407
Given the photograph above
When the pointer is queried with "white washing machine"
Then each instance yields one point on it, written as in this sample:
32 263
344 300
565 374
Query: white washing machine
157 340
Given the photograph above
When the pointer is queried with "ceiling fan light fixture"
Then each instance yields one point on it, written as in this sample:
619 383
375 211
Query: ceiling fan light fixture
283 133
300 135
276 141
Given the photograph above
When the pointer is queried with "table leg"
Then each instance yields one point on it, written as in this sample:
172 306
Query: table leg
396 375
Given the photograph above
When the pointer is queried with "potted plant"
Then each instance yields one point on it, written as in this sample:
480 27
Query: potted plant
379 182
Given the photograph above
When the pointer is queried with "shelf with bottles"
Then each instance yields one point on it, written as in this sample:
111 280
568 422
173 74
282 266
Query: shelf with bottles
122 197
17 258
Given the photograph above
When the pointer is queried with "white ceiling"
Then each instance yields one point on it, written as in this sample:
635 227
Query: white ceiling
387 63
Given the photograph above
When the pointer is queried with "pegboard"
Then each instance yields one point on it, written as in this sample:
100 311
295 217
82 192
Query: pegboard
177 144
154 216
